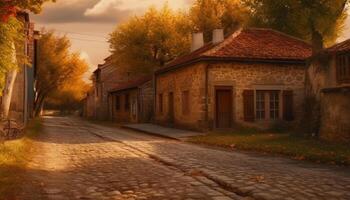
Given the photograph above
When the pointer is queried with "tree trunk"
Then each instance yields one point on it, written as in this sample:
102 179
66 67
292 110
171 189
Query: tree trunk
8 89
39 105
317 42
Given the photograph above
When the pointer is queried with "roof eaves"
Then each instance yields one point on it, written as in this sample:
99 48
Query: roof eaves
123 89
231 59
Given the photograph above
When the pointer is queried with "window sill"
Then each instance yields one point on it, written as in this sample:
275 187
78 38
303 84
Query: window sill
338 89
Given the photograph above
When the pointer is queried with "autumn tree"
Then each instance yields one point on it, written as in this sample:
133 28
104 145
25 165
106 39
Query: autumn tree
207 15
151 40
58 70
317 21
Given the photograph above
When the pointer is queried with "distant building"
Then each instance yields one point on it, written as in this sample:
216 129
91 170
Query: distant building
132 101
105 77
254 77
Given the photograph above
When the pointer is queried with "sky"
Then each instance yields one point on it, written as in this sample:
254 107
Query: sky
88 22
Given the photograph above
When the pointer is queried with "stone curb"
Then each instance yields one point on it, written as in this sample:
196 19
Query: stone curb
150 133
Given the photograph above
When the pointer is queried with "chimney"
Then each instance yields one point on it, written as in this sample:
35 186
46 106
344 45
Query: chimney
197 41
218 35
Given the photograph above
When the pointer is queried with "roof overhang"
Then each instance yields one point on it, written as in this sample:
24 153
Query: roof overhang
230 59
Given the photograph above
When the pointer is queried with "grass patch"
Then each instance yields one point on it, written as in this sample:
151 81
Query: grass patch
13 158
291 145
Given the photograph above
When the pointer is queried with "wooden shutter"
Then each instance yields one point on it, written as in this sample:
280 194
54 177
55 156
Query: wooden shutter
248 105
288 105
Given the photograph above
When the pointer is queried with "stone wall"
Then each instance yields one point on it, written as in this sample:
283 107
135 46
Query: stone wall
335 116
123 114
141 104
110 77
240 76
256 76
146 102
190 79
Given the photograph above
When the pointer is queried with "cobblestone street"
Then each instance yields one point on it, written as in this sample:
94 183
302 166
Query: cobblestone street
75 159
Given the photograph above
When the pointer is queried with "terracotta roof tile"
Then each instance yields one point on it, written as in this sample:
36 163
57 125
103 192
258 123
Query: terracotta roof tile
131 84
250 44
340 47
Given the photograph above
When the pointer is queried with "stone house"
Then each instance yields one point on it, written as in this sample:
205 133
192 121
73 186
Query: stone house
253 77
330 83
106 77
132 101
23 94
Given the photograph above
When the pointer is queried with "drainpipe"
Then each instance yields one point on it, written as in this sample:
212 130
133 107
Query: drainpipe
155 96
25 74
207 94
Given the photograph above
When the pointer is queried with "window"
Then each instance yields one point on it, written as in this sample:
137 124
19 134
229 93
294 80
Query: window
185 102
267 105
274 105
260 105
127 102
117 102
343 68
160 103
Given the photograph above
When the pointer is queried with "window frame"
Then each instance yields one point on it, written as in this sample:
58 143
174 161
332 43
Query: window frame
260 109
343 68
263 105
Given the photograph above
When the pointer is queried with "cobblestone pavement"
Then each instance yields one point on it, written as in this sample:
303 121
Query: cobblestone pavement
249 175
70 162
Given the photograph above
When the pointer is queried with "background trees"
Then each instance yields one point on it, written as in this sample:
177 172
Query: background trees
59 73
149 41
317 21
207 15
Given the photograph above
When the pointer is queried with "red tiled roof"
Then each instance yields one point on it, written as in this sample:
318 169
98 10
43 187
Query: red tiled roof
340 47
250 44
131 84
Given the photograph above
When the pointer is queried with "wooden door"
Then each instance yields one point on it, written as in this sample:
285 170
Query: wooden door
223 108
171 107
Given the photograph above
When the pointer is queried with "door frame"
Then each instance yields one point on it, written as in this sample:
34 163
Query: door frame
228 88
171 115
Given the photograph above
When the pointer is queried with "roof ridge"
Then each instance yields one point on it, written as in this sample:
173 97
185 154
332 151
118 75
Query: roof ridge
226 41
340 44
279 32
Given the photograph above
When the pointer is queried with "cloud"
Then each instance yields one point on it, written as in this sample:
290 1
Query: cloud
104 6
101 7
72 11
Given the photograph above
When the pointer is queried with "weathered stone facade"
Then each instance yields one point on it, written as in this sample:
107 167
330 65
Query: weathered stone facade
106 77
335 116
332 95
237 75
132 105
191 79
